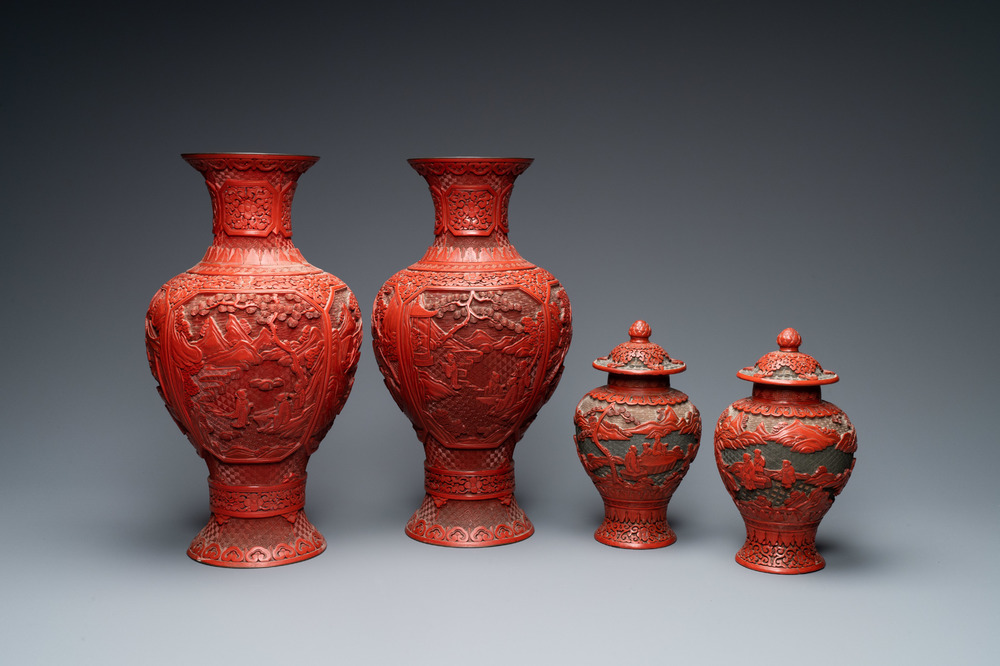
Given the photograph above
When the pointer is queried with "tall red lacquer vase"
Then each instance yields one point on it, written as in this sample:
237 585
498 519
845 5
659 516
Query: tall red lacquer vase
254 350
471 341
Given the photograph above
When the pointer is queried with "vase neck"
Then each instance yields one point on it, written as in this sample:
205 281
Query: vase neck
787 394
251 207
471 198
652 382
251 195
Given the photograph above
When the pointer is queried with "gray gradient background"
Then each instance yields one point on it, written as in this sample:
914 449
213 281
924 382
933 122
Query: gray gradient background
719 170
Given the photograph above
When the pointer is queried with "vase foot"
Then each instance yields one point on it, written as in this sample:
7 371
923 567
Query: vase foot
251 543
780 549
635 526
469 523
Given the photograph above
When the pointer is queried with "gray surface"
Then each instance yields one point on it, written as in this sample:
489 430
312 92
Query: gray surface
721 171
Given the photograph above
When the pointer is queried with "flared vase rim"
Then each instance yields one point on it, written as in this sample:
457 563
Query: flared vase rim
250 155
470 158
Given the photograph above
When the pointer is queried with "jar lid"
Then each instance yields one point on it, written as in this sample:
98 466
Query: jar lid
639 356
788 366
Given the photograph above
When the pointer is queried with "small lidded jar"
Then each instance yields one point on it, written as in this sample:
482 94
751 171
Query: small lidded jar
784 454
636 437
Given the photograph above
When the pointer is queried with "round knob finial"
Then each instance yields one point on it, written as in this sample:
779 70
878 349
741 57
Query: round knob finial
640 331
789 340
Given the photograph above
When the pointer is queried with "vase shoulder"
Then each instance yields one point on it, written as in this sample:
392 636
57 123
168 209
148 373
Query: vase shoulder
632 396
472 259
811 409
531 279
313 283
221 260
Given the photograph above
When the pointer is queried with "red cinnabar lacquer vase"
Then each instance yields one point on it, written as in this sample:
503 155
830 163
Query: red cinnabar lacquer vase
254 350
636 437
471 341
784 455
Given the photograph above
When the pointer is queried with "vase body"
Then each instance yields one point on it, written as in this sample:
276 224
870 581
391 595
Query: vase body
636 437
470 341
254 351
784 454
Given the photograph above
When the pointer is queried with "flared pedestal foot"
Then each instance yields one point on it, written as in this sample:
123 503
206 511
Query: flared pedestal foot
780 549
469 523
250 543
635 525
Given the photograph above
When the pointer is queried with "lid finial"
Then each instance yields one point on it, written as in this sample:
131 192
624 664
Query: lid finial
789 340
640 331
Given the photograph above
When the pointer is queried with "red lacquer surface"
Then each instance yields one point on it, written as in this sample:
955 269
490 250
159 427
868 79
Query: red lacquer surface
784 455
471 341
254 351
636 437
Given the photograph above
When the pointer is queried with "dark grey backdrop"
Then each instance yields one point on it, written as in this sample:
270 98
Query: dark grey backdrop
721 170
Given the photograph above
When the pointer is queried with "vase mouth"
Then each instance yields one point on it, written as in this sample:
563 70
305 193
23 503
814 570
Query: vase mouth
248 155
470 158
